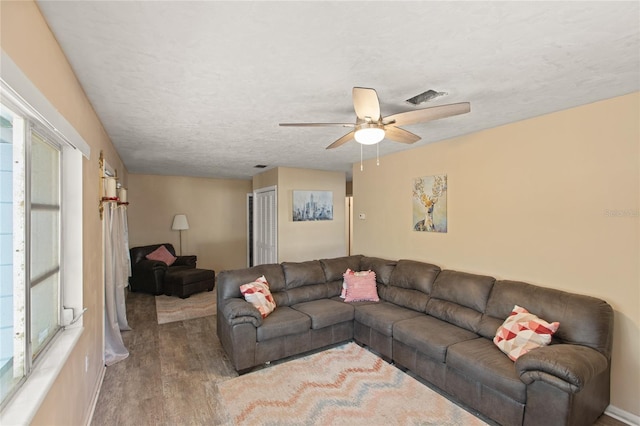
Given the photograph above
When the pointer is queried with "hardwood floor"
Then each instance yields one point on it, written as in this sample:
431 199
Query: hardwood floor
171 373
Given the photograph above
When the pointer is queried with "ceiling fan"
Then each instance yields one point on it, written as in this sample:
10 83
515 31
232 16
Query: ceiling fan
370 127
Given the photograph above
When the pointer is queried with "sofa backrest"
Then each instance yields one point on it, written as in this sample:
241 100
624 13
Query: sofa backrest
584 320
139 253
304 281
334 270
410 284
477 303
460 298
228 282
382 267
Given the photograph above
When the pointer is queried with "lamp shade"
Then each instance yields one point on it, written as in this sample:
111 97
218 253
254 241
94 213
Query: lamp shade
180 222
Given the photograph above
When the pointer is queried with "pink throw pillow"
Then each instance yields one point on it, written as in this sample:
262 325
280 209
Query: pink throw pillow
522 332
361 286
163 255
258 294
343 294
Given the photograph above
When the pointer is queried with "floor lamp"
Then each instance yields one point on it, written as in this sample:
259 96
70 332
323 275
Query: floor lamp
180 224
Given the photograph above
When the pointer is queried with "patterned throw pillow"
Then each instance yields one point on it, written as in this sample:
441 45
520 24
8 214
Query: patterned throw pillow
522 332
163 255
361 286
258 294
343 294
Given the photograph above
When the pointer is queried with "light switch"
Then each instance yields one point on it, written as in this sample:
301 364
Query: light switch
362 216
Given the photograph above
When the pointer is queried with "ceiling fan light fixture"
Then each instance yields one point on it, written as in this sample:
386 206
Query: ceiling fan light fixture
369 134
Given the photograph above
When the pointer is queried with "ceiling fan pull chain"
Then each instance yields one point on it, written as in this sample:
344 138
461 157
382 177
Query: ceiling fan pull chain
361 168
378 154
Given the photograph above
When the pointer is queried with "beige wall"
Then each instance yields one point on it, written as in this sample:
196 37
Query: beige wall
300 241
553 201
265 179
215 208
26 38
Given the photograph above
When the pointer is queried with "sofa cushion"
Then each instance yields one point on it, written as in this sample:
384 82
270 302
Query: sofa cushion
298 274
460 298
382 315
284 321
430 335
481 361
257 293
584 320
469 290
410 284
229 282
161 254
307 293
364 302
412 299
382 267
523 331
334 268
325 312
414 275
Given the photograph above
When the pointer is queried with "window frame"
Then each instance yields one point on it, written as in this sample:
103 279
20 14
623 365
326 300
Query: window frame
30 356
17 91
34 127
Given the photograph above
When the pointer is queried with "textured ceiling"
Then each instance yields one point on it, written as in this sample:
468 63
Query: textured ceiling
198 88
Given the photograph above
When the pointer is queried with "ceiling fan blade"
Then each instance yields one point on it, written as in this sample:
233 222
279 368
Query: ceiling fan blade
428 114
400 135
366 104
317 125
346 138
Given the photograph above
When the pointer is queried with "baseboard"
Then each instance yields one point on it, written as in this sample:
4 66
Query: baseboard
96 394
624 416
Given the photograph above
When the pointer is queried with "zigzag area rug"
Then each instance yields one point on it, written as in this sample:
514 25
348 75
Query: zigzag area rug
340 386
171 309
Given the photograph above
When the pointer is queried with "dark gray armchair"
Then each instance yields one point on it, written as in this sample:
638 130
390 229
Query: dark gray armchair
148 276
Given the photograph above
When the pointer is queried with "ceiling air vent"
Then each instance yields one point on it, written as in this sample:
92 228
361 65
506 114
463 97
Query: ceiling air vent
260 166
425 96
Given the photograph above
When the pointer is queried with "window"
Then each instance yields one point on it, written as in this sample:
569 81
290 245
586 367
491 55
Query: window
41 158
30 243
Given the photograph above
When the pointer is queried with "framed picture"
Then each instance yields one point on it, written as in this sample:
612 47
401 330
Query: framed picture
312 205
430 204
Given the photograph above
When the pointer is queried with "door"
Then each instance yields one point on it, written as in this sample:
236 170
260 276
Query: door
265 226
250 230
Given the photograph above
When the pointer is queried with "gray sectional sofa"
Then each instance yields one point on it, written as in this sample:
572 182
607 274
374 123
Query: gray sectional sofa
437 323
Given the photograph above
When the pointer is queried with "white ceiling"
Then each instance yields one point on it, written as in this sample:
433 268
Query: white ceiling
198 88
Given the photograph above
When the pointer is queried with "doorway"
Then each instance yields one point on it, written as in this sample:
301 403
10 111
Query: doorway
265 226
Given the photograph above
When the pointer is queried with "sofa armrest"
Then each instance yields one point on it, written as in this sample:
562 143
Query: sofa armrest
189 260
147 265
238 311
568 367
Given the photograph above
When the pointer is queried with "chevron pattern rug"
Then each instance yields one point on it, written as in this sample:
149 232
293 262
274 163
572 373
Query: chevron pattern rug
346 385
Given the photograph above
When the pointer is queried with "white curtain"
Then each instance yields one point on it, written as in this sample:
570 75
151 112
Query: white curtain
117 269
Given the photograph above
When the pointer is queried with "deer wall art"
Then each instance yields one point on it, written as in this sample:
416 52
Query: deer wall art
430 203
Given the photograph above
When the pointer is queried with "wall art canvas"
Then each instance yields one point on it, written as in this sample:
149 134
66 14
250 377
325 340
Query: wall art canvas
430 204
312 205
